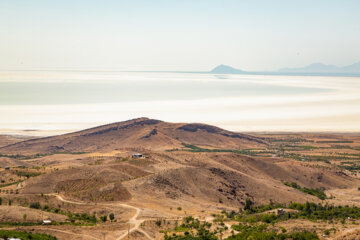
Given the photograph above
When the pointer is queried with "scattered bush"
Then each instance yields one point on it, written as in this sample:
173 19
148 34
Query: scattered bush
111 216
35 205
158 222
103 218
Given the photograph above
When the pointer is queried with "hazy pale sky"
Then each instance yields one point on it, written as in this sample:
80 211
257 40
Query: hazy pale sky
177 35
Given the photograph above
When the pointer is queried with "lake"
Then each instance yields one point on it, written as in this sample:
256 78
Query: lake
63 101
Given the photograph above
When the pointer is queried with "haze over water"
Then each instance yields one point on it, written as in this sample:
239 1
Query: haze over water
63 101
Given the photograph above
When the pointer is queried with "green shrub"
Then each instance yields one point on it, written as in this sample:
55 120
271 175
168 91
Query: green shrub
35 205
268 218
103 218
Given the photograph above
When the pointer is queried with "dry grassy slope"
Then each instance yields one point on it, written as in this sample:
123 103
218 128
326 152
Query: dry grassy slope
7 139
16 214
178 176
4 161
95 183
144 132
231 178
348 234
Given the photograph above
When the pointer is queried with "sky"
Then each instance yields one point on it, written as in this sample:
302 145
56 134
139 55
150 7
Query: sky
186 35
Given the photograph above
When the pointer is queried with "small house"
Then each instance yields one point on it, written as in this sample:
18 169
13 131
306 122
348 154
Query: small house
46 222
7 168
137 155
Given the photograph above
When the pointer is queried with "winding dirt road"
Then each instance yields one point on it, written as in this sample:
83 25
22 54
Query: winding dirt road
134 222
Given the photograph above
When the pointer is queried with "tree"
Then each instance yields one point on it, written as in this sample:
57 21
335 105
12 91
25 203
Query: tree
111 216
0 200
103 218
158 222
25 216
308 208
35 205
248 204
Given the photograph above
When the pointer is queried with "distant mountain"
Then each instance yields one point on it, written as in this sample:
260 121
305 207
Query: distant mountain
315 68
323 68
224 69
354 68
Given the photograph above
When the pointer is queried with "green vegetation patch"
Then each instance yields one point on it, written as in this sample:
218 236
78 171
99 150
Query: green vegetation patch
202 230
351 167
79 218
27 174
308 210
251 152
193 229
260 232
25 235
315 192
20 224
9 184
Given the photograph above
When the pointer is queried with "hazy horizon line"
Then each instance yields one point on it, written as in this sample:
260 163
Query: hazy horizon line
244 72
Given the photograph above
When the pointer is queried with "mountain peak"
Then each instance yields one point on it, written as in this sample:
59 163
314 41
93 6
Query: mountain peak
225 69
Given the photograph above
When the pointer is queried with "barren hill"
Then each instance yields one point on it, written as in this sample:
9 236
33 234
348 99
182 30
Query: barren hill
207 170
142 132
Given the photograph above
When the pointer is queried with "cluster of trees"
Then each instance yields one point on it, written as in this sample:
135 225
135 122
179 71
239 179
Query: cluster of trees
82 217
193 229
7 234
260 232
315 192
27 174
324 212
202 230
308 210
104 217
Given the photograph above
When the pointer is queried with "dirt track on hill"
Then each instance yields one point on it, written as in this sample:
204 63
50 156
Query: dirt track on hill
132 221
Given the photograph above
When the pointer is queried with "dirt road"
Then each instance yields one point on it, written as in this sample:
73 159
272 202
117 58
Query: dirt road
133 222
